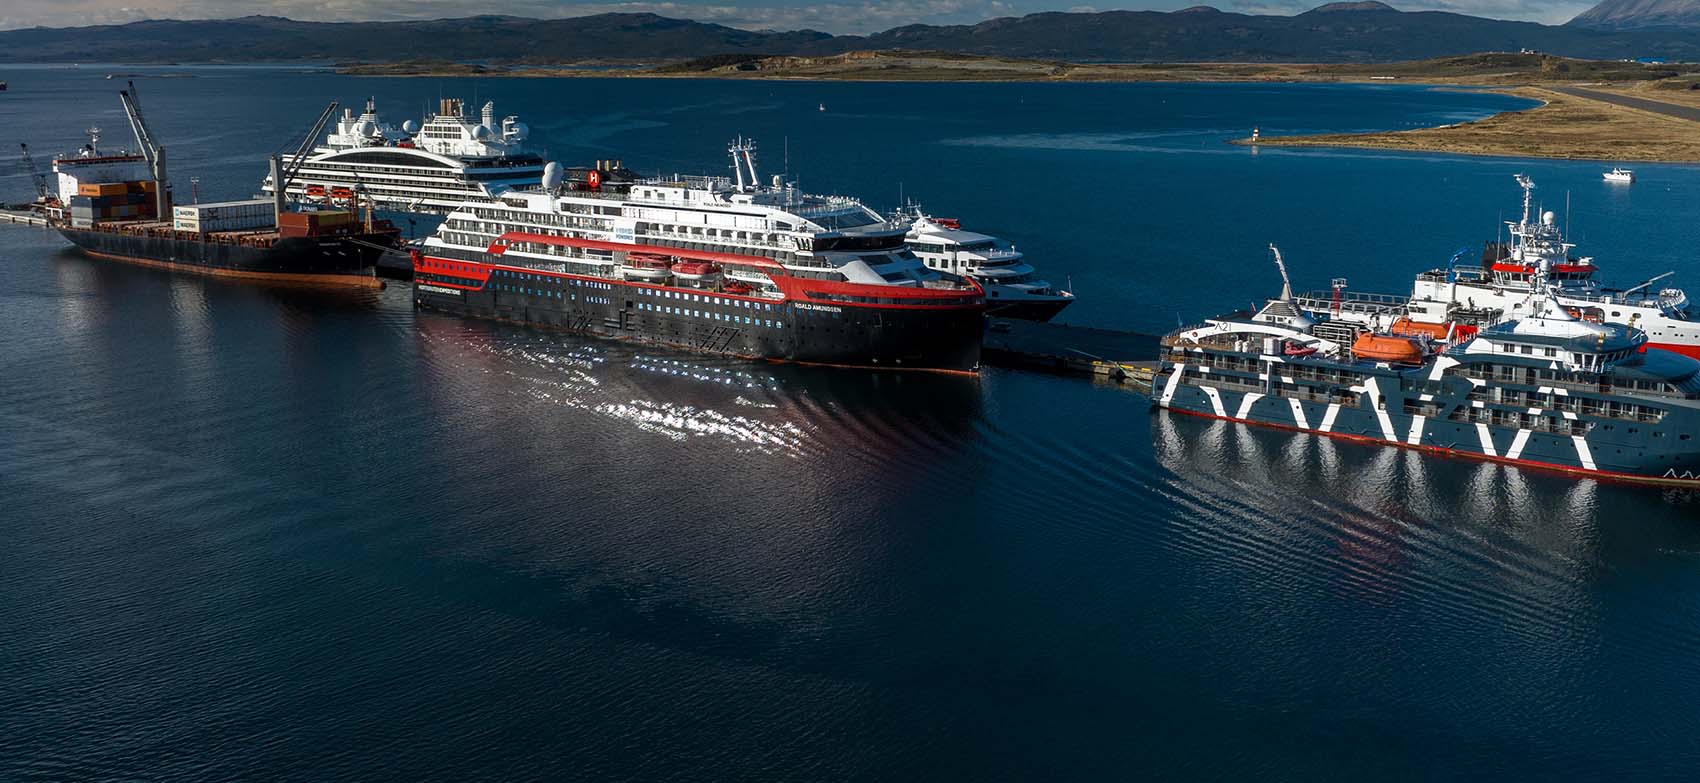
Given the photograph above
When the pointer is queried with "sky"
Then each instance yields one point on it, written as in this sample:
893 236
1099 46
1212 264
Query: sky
834 16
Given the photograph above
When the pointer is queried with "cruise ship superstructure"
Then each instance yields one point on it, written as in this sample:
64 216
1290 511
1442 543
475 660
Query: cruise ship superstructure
1470 297
430 168
713 264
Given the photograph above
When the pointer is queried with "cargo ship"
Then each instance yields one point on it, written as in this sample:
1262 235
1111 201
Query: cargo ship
708 264
1470 296
118 206
1545 390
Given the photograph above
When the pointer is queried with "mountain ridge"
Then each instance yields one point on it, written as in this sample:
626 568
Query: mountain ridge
1337 32
1640 15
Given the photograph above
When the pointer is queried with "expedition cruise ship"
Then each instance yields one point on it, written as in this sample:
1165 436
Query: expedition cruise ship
430 168
709 264
1013 288
1546 389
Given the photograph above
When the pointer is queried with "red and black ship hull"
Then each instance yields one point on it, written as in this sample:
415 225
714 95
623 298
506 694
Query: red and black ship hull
344 260
818 322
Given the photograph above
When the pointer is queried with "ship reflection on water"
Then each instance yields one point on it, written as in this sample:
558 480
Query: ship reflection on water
734 404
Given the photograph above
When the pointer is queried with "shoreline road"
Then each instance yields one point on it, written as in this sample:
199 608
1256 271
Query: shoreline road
1644 104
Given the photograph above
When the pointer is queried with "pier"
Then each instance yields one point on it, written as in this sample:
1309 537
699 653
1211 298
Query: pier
1070 350
22 218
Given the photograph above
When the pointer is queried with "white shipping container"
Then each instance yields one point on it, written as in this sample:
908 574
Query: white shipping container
223 216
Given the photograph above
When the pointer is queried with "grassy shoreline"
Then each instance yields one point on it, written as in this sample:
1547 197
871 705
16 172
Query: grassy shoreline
1562 127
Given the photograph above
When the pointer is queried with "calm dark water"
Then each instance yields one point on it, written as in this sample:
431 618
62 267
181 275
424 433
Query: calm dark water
249 533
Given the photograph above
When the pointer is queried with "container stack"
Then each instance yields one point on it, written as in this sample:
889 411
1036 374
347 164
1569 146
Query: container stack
223 216
307 224
112 201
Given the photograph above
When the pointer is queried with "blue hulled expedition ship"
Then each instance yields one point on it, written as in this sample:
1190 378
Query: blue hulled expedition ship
1549 389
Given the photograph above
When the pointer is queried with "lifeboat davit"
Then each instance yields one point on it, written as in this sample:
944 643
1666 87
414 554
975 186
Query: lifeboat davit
1388 348
696 271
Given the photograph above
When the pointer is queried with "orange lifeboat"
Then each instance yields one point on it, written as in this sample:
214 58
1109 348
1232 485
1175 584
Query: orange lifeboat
1388 348
1410 328
316 191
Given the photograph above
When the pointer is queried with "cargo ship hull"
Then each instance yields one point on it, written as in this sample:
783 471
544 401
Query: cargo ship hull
943 338
328 260
1660 452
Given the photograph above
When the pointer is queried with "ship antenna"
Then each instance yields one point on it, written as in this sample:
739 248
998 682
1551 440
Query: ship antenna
1566 215
1286 284
1528 195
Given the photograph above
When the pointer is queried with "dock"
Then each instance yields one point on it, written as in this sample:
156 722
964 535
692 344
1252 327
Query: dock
1070 350
22 218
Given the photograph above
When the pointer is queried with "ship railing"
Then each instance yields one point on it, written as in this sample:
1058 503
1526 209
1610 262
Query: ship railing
1352 302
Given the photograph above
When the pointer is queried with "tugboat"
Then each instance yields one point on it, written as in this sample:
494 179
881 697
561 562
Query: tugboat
1546 390
118 206
1470 297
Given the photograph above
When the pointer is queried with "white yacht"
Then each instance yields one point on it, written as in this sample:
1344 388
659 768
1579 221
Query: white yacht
1619 175
431 168
1013 290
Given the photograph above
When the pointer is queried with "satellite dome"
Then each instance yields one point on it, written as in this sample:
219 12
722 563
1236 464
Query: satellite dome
366 128
481 133
552 176
518 131
1548 218
411 127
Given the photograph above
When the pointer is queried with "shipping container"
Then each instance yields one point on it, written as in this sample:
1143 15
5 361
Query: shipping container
102 188
223 216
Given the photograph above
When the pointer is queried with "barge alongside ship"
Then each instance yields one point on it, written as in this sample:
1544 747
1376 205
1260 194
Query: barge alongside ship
1546 390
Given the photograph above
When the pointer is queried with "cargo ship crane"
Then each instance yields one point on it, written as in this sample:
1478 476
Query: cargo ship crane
36 176
152 151
282 176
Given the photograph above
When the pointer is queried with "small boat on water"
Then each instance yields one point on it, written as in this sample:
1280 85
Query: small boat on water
1619 175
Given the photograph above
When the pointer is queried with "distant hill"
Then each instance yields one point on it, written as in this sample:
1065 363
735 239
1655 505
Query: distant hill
504 38
1338 32
1641 15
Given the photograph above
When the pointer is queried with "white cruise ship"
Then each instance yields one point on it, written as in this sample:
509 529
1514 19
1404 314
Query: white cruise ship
710 264
430 168
1013 289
